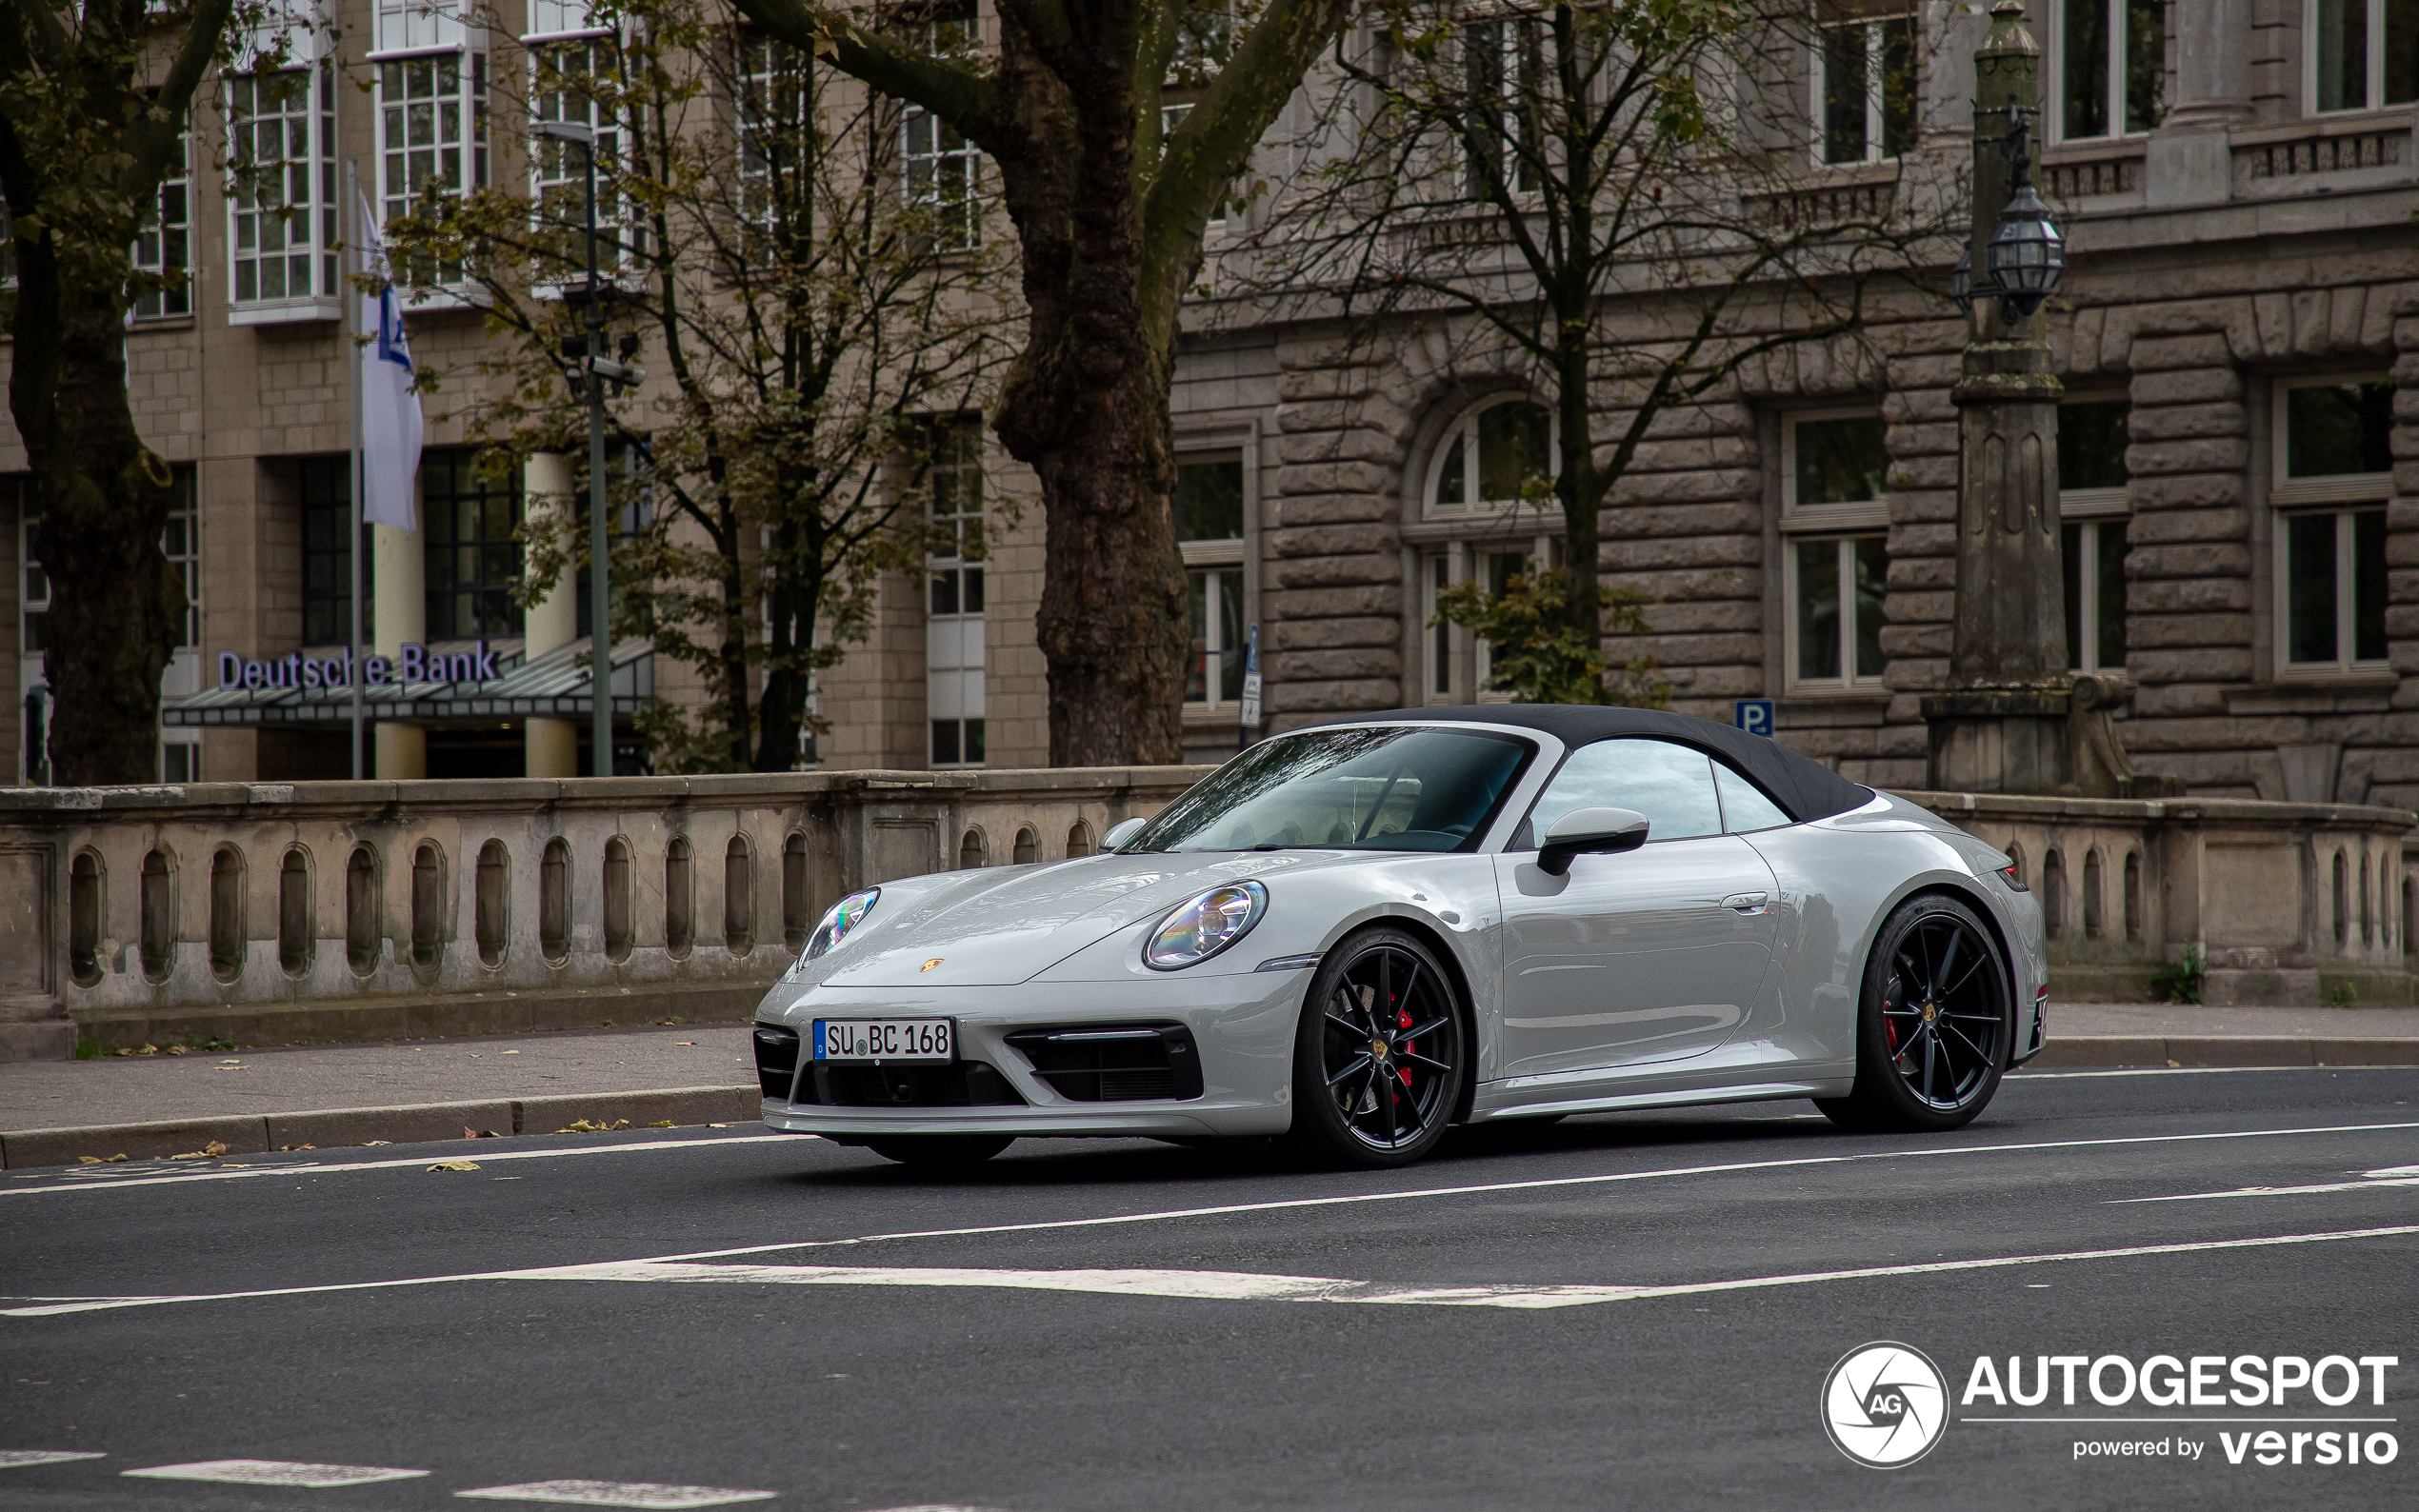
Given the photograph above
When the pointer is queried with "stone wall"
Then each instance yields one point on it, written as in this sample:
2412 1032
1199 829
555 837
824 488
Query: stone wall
352 910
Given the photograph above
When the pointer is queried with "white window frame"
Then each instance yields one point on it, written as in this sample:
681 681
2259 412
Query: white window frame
1466 660
2373 82
163 231
310 223
1517 32
559 168
1465 430
758 70
2342 493
2117 104
469 98
963 235
1876 104
1220 579
1846 521
2095 509
1228 561
955 649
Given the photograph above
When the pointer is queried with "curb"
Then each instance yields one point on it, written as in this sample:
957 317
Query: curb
2113 1050
370 1021
262 1133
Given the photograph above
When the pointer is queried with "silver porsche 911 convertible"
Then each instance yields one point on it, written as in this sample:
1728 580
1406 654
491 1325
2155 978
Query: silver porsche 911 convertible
1355 935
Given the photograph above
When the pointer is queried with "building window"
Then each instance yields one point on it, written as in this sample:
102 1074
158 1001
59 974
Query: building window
1834 509
2092 512
2111 59
180 756
1505 62
942 171
1210 509
1864 88
1436 579
181 543
2363 54
281 192
432 140
567 85
953 573
470 559
327 524
773 109
163 247
1492 458
2334 464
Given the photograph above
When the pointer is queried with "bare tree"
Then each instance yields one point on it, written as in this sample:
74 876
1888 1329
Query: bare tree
810 351
1620 192
1110 206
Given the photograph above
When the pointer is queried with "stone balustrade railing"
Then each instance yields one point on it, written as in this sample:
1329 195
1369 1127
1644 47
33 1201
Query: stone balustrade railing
318 911
273 914
2286 902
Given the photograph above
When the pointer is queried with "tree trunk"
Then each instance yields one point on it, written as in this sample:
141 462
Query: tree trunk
115 602
1581 491
1086 406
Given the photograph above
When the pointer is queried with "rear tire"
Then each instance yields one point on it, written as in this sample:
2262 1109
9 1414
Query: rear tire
940 1152
1934 1023
1380 1057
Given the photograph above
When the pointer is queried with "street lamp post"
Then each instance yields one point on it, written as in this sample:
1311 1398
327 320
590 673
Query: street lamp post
596 370
2001 725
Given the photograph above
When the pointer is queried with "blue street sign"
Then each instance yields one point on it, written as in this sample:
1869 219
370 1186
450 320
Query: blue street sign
1753 715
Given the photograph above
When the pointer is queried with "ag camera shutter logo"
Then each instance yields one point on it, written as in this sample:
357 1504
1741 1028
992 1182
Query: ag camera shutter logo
1885 1404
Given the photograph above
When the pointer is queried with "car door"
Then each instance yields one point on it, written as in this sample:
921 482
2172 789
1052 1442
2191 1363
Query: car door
1651 955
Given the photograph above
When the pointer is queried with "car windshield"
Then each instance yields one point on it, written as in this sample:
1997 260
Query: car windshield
1356 788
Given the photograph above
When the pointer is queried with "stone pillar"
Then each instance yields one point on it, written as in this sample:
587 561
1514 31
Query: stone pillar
2001 724
402 603
550 746
2189 159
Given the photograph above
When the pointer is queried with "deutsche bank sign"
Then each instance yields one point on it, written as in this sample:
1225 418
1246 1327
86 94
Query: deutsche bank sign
412 663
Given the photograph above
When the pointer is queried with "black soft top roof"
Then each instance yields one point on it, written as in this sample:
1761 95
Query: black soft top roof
1804 787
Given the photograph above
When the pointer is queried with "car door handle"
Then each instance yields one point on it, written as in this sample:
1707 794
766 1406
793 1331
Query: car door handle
1747 902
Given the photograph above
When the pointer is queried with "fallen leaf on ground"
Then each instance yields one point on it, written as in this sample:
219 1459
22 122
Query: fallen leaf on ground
88 1160
366 1143
297 1147
119 1156
470 1133
684 1042
179 1049
661 1122
511 1052
453 1165
583 1126
149 1049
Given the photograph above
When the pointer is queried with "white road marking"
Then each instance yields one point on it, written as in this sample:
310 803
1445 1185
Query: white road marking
2021 1074
1223 1286
2367 1184
15 1459
274 1472
618 1493
241 1172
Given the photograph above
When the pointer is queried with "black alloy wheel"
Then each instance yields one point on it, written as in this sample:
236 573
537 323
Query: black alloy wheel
1936 1022
1380 1060
940 1152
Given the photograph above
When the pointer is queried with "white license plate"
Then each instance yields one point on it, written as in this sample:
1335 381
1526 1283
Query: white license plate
884 1040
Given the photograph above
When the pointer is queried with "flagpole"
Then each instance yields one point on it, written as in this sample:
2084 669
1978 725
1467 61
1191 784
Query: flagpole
352 306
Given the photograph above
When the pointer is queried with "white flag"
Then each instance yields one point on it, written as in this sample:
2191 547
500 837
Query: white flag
391 424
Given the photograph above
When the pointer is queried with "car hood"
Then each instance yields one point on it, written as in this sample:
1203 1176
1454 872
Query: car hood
999 927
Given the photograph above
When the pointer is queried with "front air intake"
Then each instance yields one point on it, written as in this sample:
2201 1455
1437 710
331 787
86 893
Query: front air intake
776 1060
1114 1063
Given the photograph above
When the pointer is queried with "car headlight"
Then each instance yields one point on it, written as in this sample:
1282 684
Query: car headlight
1206 925
844 915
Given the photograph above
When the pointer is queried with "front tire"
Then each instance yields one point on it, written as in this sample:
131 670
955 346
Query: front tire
1933 1023
1381 1055
940 1152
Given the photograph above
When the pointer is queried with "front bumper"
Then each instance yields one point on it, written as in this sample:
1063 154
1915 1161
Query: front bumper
1242 1026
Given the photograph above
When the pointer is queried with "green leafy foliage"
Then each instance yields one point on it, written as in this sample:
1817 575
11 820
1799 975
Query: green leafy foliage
2184 981
1539 658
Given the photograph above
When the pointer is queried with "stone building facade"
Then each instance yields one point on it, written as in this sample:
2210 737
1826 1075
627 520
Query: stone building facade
2240 479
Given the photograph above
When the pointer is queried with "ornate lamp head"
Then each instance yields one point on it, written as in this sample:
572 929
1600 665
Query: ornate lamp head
2027 253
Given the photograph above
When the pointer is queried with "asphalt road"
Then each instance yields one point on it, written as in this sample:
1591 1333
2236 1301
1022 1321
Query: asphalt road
1341 1340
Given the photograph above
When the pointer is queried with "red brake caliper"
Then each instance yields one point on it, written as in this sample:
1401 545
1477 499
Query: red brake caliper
1403 1021
1890 1026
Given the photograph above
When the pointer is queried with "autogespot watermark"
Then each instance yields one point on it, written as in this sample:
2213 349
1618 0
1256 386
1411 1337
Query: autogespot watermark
1886 1404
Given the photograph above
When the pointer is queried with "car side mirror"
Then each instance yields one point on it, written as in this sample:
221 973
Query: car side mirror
1121 831
1590 832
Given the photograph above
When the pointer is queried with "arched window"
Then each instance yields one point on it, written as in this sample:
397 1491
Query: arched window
1488 457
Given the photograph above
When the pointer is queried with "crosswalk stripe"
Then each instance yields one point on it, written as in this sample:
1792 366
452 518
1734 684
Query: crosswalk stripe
274 1472
618 1493
14 1459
